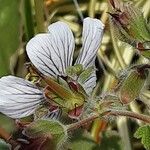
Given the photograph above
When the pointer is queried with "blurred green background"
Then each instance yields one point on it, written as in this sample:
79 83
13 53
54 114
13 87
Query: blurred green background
20 20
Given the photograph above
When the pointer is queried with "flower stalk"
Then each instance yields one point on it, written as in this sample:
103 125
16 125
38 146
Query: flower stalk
39 15
28 19
129 114
111 112
79 124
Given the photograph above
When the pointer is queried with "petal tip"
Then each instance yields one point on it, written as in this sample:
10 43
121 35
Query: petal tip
96 21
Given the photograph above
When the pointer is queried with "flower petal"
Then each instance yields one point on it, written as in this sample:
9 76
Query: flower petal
55 114
89 83
92 36
18 97
52 53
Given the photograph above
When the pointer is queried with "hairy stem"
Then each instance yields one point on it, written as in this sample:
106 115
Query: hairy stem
111 112
82 122
129 114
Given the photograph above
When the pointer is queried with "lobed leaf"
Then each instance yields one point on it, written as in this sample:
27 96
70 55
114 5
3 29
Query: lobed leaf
143 133
49 128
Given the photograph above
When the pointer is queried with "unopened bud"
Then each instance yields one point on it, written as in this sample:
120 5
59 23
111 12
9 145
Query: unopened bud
129 25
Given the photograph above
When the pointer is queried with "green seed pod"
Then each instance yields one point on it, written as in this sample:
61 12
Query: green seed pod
132 86
52 128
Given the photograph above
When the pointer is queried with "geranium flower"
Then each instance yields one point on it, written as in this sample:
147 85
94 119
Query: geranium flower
51 53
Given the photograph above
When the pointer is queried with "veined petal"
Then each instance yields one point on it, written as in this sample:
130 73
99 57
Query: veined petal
89 83
92 36
18 97
18 110
52 53
62 35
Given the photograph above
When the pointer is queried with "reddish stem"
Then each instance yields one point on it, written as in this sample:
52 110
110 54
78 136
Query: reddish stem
129 114
82 122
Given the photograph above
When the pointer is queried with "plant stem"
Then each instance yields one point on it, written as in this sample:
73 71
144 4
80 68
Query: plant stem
117 50
78 9
39 15
111 112
98 126
91 11
28 19
129 114
122 125
107 63
134 107
82 122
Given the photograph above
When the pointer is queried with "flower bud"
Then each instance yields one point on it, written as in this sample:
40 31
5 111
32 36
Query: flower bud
129 25
133 84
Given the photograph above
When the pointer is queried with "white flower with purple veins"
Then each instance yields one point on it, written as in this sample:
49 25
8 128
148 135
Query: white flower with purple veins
52 54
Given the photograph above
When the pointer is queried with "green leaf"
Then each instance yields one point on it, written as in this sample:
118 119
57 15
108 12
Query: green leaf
52 128
9 27
40 143
3 145
7 123
146 54
82 142
110 141
144 133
